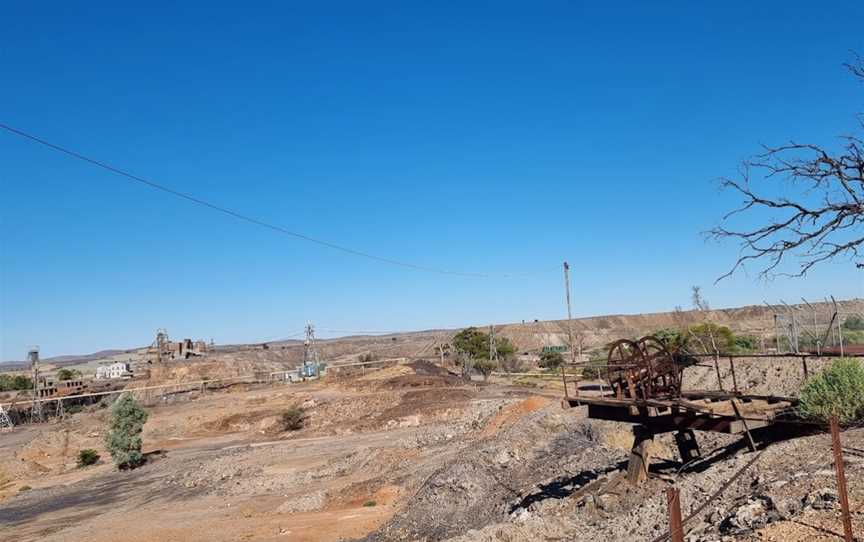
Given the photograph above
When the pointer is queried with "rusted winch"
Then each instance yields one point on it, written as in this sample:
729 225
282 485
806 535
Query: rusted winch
644 369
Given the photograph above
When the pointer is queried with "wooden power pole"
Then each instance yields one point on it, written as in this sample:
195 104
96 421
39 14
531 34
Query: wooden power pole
569 313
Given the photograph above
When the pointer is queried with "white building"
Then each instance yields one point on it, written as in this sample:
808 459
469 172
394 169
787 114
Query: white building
115 370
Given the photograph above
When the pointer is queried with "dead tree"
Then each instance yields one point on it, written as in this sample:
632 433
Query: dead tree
823 220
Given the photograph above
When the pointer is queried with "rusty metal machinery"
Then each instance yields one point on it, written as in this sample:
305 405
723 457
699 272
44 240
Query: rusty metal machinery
644 369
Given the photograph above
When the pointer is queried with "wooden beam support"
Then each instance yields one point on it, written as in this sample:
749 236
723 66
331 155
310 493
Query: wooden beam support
640 455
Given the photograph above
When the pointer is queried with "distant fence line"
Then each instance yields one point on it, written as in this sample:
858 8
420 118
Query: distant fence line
190 386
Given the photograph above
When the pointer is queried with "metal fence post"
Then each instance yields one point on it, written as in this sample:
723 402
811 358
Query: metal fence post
673 500
841 479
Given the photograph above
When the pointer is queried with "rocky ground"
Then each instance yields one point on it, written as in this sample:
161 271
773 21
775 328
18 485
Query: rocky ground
411 452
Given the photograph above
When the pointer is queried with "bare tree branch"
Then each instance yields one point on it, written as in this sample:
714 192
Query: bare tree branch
823 221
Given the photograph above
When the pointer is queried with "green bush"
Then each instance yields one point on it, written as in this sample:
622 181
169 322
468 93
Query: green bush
853 337
837 391
854 323
293 419
68 374
370 503
551 360
671 337
124 434
709 338
87 457
746 344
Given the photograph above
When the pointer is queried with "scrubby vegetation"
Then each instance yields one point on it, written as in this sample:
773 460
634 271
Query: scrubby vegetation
15 382
293 419
707 338
512 364
551 360
124 434
484 366
854 323
837 391
87 457
68 374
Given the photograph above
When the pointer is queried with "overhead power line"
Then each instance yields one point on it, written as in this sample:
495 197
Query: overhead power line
236 214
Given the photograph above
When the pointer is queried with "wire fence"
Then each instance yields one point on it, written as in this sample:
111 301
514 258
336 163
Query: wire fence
678 526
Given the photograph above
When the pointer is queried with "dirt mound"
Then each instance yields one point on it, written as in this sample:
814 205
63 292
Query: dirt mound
425 374
511 414
421 381
489 479
261 420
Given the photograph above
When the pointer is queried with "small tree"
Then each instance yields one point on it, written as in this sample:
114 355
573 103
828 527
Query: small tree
472 342
551 360
87 457
484 367
710 338
68 374
475 344
124 433
837 391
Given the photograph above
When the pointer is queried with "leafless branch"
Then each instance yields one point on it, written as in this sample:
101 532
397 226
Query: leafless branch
823 221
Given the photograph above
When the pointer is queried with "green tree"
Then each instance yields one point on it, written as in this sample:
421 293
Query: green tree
475 344
68 374
124 432
551 360
472 342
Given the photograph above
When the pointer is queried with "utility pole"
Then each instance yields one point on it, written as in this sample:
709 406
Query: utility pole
493 348
839 326
569 314
36 409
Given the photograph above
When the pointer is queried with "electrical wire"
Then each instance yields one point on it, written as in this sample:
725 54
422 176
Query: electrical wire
240 216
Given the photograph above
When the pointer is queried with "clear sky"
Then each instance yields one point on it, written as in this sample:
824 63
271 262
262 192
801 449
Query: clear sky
490 137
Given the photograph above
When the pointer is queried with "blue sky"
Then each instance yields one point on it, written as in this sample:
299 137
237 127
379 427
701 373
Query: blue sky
491 137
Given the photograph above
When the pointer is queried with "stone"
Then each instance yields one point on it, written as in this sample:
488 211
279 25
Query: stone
822 499
755 513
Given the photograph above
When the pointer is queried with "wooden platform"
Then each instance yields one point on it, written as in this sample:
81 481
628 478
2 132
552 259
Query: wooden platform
703 411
